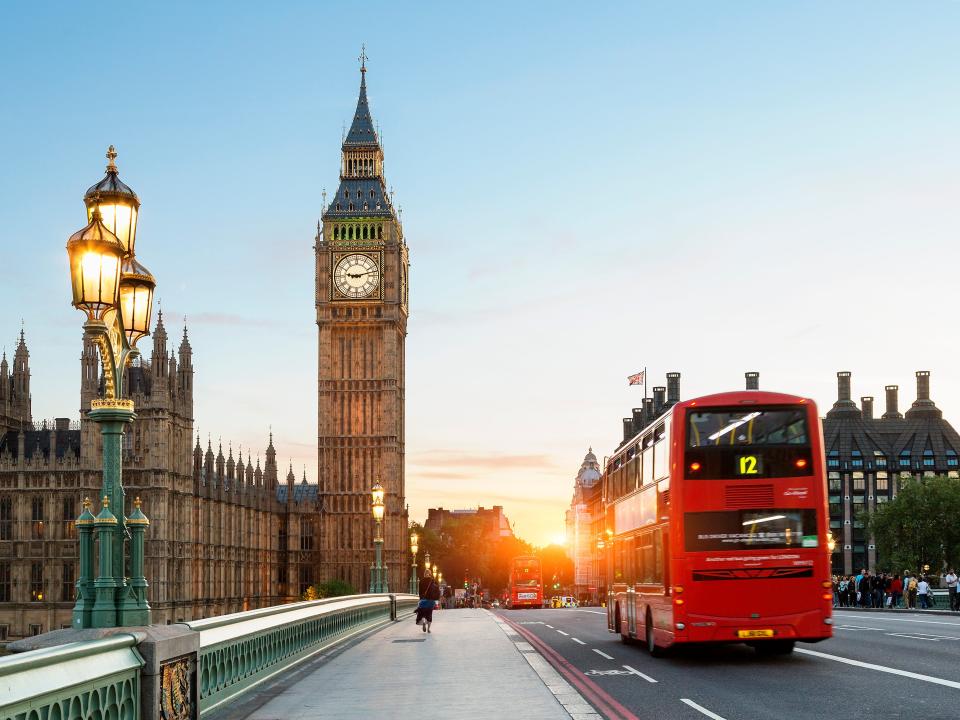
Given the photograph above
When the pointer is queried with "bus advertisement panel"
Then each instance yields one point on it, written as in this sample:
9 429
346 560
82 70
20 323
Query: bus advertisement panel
526 583
724 537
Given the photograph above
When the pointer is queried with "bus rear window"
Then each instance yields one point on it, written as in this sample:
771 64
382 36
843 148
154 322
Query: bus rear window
527 574
750 529
748 427
747 443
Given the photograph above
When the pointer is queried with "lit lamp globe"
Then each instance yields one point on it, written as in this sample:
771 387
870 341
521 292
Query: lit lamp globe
377 494
136 299
118 204
414 544
95 255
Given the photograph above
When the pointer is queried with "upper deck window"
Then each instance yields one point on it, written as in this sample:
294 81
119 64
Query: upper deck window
741 427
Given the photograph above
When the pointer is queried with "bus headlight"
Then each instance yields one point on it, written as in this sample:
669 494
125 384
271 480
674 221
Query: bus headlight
828 621
680 626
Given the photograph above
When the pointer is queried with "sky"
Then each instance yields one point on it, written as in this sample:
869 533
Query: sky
587 190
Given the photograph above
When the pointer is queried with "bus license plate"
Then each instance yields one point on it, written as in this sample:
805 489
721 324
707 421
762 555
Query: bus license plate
754 633
526 596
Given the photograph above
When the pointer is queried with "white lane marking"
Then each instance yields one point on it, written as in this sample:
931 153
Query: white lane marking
881 668
702 709
637 672
855 627
601 653
925 622
578 641
593 612
563 633
549 626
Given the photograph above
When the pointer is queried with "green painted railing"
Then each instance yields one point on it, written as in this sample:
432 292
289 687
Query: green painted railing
240 651
96 680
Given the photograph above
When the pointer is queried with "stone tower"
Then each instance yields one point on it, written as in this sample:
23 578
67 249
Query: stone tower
361 300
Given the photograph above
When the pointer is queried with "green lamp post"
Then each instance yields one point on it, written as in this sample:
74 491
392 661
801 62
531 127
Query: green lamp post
116 293
414 546
378 579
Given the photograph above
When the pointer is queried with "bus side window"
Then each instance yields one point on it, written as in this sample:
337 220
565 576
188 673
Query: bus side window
658 556
647 466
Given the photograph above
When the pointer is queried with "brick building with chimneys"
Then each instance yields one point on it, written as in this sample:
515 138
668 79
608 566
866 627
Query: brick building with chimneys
869 457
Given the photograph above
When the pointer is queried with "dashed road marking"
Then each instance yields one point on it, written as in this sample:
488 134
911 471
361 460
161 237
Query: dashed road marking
701 708
578 641
549 626
601 653
634 671
563 633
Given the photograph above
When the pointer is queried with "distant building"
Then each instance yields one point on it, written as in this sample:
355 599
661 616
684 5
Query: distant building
497 524
868 459
584 524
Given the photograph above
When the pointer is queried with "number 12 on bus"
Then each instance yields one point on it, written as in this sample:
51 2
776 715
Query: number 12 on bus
718 517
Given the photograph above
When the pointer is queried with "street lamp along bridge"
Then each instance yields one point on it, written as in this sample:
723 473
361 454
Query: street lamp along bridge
116 293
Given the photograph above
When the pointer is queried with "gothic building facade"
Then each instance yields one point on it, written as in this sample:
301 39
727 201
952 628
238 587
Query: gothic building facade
226 534
362 267
585 526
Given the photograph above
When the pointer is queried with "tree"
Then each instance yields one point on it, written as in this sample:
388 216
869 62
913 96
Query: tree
920 526
332 588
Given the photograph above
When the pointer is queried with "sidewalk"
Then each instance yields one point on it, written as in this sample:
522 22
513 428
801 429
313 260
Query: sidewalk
467 666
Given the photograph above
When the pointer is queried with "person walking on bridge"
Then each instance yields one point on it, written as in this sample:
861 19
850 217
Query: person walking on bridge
429 594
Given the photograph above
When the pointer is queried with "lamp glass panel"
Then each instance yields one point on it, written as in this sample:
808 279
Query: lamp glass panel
121 220
378 512
136 299
95 276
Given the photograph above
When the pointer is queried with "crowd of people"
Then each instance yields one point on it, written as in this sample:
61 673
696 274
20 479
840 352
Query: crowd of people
883 590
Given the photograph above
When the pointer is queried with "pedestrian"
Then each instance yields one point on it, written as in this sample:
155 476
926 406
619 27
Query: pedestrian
951 578
910 594
923 590
429 594
896 590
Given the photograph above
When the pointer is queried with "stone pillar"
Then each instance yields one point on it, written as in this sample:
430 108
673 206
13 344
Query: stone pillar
82 611
134 609
168 678
104 613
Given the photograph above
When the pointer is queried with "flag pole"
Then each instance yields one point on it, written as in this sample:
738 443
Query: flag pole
644 384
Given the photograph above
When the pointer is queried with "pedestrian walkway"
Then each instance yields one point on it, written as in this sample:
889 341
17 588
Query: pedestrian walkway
467 666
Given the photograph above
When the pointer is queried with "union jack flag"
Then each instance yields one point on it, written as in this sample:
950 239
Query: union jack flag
636 379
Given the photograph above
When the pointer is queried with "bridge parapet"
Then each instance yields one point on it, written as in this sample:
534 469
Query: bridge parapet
93 679
186 670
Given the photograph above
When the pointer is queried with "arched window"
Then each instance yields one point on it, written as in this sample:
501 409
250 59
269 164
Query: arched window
366 233
336 232
350 206
379 232
338 206
350 232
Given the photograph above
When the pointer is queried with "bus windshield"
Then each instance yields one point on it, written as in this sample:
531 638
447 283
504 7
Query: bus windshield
526 573
746 427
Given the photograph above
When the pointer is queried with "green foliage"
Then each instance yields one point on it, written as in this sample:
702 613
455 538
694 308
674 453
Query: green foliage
331 588
920 526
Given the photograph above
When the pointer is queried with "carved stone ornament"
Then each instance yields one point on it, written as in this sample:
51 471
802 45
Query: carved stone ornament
176 691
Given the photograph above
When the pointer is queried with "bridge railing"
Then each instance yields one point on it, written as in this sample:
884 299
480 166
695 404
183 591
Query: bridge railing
245 649
184 670
76 681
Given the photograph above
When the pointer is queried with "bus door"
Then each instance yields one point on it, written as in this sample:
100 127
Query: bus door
632 610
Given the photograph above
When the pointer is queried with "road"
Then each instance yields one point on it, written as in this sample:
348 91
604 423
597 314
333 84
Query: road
875 666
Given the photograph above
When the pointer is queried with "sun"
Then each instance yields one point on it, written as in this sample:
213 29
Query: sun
558 539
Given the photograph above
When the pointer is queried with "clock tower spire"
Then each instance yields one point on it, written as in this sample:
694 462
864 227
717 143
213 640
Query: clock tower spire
361 302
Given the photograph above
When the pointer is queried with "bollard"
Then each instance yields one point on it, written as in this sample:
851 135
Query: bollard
393 607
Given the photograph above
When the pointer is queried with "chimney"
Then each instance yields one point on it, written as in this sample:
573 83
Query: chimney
923 406
843 386
627 429
867 404
844 406
673 388
753 380
892 412
659 398
638 420
648 410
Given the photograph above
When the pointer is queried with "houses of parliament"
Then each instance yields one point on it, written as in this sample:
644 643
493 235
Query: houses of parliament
229 533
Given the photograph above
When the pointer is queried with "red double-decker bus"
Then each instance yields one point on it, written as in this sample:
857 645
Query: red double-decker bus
719 526
526 583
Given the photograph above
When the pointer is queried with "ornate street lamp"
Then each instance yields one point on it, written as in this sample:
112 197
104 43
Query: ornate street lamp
116 293
378 579
414 546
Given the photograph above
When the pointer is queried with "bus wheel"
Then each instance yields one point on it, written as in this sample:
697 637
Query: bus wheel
775 647
652 647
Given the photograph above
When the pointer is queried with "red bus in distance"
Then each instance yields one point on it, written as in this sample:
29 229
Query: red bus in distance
526 583
718 513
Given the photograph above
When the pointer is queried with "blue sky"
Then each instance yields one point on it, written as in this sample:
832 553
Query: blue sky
587 190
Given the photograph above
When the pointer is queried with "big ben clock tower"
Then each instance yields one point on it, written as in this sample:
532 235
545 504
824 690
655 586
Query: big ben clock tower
361 300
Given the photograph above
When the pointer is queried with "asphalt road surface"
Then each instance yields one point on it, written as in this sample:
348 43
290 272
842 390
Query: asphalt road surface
878 666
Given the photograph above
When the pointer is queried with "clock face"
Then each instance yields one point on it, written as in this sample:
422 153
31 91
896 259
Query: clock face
356 276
